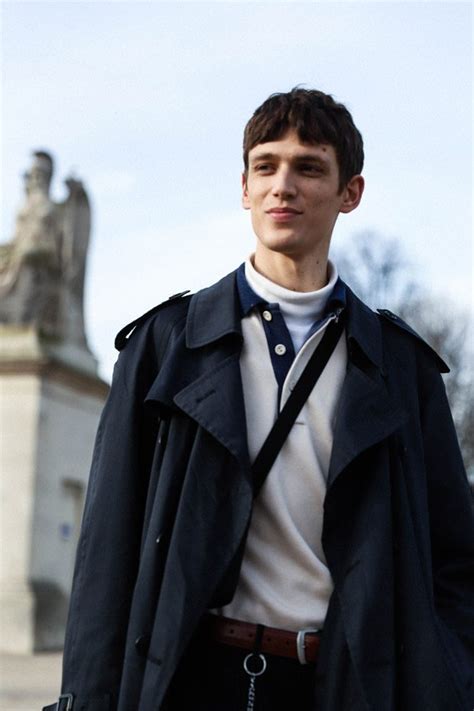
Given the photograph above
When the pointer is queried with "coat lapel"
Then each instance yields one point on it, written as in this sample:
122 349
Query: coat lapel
368 412
357 536
215 401
200 374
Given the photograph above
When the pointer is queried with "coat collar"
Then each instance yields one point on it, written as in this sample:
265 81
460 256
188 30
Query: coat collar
200 372
368 411
213 313
363 329
201 376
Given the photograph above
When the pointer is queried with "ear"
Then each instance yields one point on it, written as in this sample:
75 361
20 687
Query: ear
245 193
352 194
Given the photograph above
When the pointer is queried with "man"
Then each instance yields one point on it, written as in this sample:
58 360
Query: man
344 582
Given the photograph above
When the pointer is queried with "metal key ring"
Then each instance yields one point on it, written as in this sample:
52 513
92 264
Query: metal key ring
262 659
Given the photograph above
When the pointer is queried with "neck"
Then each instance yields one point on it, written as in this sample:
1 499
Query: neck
308 274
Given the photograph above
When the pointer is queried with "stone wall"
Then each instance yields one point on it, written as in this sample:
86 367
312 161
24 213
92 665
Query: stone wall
49 414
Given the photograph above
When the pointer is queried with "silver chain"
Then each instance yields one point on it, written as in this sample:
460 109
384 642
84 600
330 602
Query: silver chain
253 676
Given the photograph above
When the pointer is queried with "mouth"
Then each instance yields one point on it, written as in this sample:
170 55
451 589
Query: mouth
283 211
283 214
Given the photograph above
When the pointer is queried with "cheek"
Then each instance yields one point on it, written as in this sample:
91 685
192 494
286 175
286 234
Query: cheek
321 201
256 202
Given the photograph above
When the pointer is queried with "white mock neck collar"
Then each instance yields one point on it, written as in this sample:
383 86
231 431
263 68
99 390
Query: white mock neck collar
306 304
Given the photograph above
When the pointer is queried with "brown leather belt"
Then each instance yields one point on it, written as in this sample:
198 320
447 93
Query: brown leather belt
302 645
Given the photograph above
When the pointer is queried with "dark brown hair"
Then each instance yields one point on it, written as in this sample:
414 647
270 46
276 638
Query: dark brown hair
316 118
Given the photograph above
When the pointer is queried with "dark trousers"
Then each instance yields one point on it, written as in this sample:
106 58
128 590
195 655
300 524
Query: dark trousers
211 677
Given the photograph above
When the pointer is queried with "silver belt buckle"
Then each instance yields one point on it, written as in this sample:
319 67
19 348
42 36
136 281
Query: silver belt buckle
301 645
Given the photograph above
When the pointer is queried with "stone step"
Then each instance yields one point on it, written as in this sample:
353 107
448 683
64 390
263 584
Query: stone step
29 682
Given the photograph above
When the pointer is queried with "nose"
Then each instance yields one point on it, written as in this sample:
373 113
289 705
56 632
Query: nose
284 185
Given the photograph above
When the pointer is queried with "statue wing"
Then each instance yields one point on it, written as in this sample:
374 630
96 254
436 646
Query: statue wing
76 221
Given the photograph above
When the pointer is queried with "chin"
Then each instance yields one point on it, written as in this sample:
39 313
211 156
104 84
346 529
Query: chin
284 244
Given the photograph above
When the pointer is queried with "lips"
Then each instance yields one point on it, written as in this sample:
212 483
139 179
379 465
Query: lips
283 215
283 211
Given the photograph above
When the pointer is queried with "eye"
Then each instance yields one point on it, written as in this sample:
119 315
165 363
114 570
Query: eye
263 168
311 168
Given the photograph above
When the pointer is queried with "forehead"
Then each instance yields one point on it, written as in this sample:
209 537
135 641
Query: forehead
290 147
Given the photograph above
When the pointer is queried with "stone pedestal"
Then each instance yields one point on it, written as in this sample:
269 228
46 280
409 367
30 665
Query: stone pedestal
49 412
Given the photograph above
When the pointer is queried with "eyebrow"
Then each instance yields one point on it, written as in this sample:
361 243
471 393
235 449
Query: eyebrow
307 157
262 156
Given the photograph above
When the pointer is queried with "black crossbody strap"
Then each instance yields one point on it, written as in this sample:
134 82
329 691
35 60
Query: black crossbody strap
285 420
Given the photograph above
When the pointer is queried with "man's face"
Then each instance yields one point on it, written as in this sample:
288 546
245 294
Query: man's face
292 191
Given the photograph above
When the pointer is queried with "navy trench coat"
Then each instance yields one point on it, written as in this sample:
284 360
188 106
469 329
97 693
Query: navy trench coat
170 497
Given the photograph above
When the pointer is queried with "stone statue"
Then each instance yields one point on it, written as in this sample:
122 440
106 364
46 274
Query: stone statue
42 269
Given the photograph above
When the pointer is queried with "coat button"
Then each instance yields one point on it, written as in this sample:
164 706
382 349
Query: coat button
280 349
142 643
267 315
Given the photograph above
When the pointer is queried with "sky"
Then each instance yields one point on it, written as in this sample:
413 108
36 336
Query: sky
146 103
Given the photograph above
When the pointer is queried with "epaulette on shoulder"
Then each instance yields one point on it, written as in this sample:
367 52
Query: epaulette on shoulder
397 321
122 337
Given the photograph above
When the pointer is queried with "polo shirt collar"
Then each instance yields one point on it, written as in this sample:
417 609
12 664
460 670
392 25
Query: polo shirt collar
249 299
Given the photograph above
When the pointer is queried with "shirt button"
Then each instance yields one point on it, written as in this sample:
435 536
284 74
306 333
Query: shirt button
280 349
267 315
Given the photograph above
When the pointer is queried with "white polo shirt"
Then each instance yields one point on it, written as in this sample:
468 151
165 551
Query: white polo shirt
284 580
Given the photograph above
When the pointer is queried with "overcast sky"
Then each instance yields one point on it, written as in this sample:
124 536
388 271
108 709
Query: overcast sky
146 103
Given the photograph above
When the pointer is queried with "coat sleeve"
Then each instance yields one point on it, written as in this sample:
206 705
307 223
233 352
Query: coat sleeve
108 551
451 526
